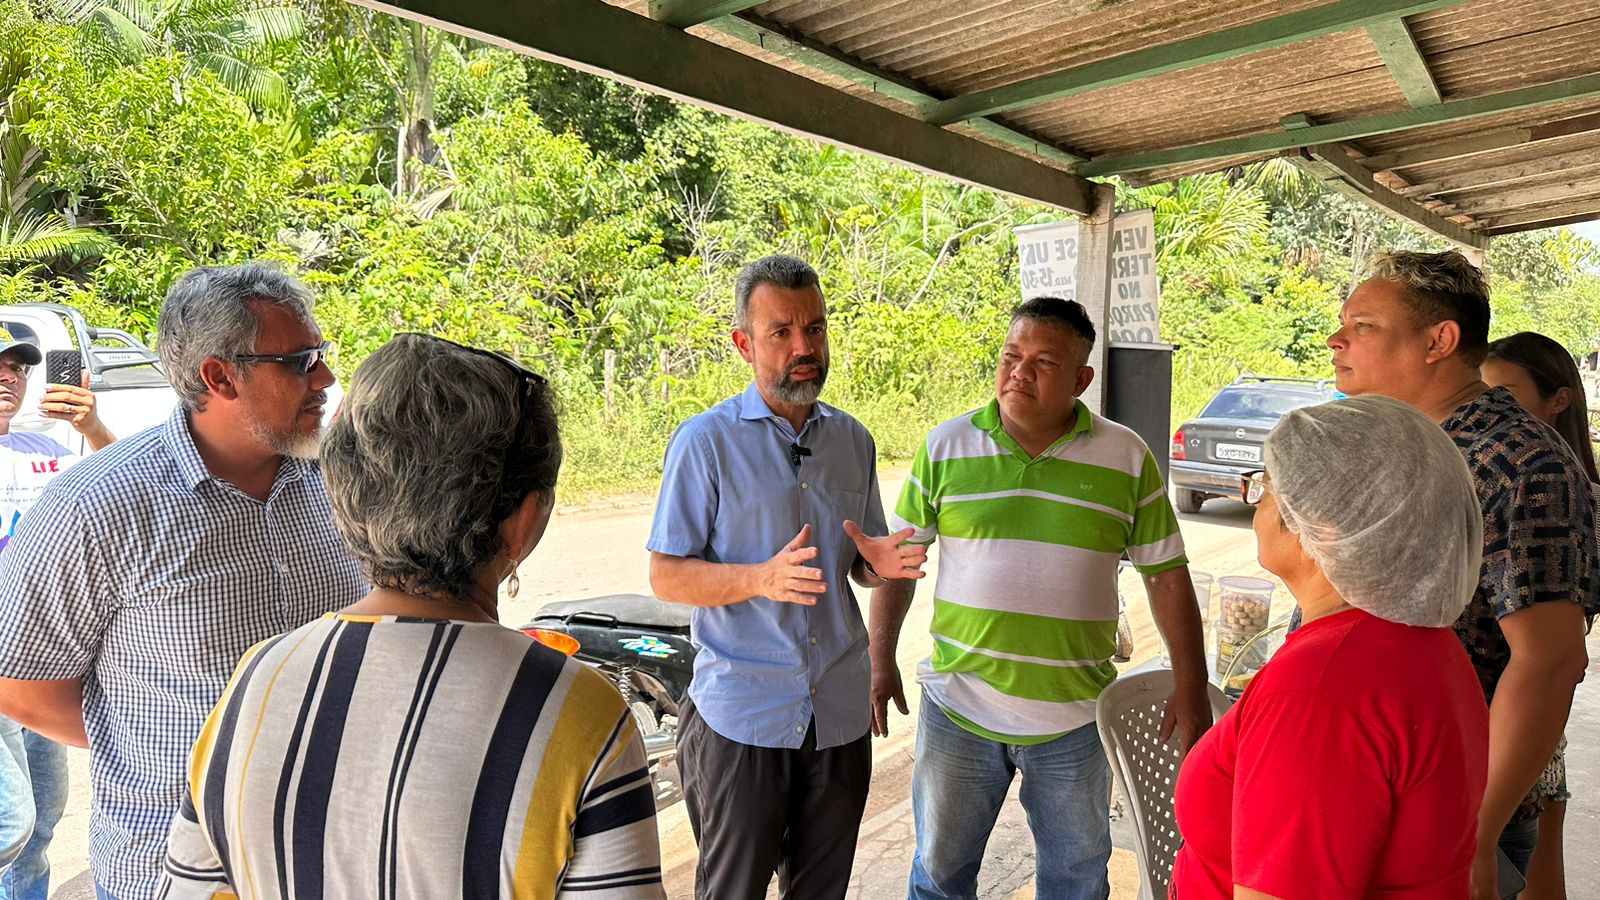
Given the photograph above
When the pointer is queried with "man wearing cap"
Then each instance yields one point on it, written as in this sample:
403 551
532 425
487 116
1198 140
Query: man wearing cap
33 769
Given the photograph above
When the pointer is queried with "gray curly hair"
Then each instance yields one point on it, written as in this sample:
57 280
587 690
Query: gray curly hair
1441 287
208 314
434 446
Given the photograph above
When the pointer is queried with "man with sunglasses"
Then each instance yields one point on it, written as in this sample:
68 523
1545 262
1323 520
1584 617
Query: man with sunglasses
144 573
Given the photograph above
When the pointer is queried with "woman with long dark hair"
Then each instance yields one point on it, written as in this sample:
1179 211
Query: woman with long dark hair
1541 374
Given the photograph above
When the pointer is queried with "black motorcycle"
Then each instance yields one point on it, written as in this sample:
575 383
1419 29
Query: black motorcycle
642 645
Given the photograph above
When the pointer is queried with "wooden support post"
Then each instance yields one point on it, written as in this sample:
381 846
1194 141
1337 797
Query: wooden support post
611 383
1094 284
1477 256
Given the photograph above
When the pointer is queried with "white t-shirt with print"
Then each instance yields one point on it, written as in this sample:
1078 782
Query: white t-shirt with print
27 463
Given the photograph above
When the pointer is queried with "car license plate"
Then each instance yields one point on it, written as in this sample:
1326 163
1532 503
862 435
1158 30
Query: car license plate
1238 452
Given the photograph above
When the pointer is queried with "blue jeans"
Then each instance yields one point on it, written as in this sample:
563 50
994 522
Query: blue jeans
959 783
30 806
1518 843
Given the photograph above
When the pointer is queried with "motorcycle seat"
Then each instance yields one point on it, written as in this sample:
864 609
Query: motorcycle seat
628 609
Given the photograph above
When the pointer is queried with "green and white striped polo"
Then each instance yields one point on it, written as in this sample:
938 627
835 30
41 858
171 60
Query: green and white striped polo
1025 609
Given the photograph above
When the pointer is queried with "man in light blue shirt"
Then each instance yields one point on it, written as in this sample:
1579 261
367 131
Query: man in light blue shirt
756 527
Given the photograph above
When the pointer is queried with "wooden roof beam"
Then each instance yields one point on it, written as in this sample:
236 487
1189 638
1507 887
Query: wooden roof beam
1513 173
1548 217
684 13
1332 18
1333 166
774 38
1529 199
612 42
1483 143
1405 61
1580 88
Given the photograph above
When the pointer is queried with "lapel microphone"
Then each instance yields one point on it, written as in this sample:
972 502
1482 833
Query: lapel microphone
796 453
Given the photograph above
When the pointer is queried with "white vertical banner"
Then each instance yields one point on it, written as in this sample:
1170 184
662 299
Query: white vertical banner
1133 314
1048 260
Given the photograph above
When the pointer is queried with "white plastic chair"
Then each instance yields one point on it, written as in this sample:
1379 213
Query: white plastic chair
1128 715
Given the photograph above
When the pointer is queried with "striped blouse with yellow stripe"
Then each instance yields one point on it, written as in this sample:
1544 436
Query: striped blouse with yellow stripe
389 758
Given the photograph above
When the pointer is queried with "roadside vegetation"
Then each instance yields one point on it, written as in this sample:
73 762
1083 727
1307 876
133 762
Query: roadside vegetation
422 182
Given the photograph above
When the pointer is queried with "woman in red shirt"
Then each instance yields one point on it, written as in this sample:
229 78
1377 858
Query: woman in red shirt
1355 762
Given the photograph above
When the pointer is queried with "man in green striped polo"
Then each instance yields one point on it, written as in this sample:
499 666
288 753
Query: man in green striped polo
1036 499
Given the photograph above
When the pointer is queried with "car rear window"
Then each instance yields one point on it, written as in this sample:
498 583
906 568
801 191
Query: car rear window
1255 403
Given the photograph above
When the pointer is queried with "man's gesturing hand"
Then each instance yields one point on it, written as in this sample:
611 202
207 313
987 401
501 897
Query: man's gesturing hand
785 577
890 556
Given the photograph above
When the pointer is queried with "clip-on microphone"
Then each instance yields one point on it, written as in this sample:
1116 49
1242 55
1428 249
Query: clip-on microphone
796 453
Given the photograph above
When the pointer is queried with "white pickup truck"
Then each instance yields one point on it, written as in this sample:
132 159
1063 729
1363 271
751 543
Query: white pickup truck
130 389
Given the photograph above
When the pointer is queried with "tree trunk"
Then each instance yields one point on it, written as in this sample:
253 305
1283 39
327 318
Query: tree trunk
416 146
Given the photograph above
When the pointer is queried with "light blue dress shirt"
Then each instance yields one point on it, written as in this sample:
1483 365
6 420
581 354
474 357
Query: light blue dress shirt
731 495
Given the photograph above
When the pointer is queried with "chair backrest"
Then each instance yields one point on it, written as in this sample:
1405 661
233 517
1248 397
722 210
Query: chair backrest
1128 715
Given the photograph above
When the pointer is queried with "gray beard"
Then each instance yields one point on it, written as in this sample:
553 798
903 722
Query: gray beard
800 393
293 444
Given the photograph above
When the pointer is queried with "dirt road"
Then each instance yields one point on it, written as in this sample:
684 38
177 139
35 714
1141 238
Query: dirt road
599 549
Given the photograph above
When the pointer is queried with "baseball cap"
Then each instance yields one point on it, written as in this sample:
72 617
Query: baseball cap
27 351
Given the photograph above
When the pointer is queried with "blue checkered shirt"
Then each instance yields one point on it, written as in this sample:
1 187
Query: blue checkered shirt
146 577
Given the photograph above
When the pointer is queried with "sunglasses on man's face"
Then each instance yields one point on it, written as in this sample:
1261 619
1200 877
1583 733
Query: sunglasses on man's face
1253 486
302 363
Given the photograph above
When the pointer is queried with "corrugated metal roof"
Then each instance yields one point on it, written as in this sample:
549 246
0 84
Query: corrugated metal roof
1480 49
1471 50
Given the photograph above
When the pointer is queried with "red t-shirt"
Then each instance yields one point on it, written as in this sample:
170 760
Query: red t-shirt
1353 766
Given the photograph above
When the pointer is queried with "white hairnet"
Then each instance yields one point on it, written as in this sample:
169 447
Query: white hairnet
1381 499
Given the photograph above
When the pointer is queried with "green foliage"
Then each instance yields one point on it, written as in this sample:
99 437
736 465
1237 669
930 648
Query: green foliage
228 38
1205 220
29 239
173 157
421 182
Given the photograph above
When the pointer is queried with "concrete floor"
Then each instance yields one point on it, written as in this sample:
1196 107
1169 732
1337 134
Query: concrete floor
589 552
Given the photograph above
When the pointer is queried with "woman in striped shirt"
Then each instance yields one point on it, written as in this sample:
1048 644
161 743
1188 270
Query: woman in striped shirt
410 746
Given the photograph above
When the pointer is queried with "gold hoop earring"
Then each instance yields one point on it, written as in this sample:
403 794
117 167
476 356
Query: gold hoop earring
513 584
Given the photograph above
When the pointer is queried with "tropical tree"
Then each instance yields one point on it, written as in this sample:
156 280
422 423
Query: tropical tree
29 240
1205 218
225 37
31 230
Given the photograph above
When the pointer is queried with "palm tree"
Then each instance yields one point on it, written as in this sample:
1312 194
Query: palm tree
31 231
226 37
1280 181
29 240
1203 216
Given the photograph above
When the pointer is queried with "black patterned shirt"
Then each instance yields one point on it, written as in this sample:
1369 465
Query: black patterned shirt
1538 517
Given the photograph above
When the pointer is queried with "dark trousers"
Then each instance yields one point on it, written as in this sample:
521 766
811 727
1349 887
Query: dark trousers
759 810
1518 842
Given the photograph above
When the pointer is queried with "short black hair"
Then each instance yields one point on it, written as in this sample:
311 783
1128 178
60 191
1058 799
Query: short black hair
1068 314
